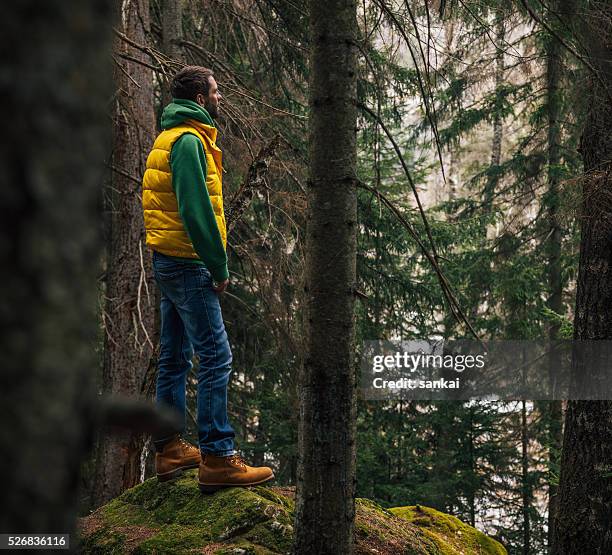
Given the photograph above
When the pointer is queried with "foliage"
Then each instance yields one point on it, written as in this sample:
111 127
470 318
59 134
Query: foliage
450 88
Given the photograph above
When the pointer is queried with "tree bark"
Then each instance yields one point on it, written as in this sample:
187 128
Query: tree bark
583 523
172 38
55 86
325 505
553 249
553 109
526 493
498 128
129 314
473 470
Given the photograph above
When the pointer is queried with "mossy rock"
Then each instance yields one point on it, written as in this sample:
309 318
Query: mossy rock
450 534
175 518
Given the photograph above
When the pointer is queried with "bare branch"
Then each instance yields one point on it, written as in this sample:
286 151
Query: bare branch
253 181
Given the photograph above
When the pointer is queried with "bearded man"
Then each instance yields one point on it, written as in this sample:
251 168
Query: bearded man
185 224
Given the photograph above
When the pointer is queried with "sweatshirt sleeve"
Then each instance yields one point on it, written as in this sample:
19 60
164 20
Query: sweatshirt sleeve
188 165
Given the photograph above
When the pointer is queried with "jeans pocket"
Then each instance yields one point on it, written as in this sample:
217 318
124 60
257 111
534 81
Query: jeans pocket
166 269
206 279
167 273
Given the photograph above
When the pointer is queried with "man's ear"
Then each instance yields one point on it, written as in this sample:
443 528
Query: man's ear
200 99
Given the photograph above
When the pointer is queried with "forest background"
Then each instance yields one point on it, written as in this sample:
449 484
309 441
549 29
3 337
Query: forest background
471 112
470 166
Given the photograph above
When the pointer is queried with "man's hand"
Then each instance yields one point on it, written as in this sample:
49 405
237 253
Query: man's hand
221 286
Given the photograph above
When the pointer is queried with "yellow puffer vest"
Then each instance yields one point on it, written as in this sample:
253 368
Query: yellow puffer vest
163 224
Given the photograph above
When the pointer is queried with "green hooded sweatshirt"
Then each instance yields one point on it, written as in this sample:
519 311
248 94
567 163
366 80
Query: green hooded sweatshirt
188 165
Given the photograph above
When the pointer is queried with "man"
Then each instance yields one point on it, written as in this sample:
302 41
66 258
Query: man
183 211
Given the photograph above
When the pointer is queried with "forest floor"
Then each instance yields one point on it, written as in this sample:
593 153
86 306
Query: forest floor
174 517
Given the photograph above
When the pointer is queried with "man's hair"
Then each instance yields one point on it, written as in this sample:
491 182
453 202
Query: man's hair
191 81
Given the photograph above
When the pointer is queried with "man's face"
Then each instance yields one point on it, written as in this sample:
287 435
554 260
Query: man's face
210 102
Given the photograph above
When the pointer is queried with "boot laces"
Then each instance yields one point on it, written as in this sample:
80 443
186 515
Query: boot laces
186 445
237 460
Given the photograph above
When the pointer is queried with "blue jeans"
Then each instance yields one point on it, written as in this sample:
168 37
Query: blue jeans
191 321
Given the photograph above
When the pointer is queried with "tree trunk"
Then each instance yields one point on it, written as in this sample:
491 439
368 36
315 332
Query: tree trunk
454 177
473 471
525 482
555 443
553 248
583 522
325 505
55 87
172 37
498 129
129 316
553 109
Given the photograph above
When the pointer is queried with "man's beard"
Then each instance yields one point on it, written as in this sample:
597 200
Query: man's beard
212 110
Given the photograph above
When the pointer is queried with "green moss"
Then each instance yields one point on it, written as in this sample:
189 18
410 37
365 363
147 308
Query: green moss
378 530
173 539
117 513
451 536
271 495
363 528
245 548
368 504
276 531
174 517
256 520
102 543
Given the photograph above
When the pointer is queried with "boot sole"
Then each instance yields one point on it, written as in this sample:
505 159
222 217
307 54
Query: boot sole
167 476
212 488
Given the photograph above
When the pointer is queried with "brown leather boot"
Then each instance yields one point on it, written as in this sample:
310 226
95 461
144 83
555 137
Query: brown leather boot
176 456
226 472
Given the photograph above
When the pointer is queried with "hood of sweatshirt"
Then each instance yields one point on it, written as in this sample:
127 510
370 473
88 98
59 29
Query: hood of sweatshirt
180 110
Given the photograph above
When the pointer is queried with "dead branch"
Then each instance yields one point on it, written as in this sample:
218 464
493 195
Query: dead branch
253 181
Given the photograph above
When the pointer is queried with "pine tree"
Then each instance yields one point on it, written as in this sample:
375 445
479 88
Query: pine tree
129 312
583 523
326 468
